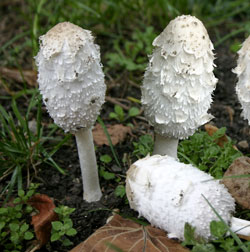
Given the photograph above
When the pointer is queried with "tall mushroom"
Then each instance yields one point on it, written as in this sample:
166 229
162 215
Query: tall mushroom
169 194
178 83
243 73
71 82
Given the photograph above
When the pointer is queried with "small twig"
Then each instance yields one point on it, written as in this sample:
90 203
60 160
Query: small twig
134 84
115 101
6 173
34 248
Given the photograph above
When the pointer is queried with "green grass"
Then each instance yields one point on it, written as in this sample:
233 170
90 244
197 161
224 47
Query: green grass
125 28
24 149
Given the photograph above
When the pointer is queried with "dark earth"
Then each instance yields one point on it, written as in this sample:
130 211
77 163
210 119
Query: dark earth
67 189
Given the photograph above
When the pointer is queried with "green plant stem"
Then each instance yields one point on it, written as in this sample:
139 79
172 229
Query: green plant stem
14 39
228 36
35 27
109 140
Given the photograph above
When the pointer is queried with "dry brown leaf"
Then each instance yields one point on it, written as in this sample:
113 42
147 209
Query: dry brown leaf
117 132
210 129
239 187
247 238
29 76
231 113
128 236
42 221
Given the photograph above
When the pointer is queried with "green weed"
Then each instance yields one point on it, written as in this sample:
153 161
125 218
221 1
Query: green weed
202 151
105 160
120 115
14 219
14 228
64 227
143 147
120 191
132 54
105 172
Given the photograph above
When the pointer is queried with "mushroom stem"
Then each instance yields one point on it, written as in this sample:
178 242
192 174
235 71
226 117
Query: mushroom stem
165 146
240 227
86 152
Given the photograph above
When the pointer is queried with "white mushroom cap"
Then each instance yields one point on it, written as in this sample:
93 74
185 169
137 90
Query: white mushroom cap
70 76
169 194
243 72
179 79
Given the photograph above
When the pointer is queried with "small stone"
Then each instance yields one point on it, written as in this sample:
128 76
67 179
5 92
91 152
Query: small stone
116 168
239 188
32 126
243 144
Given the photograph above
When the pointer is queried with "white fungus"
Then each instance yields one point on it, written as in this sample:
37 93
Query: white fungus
70 77
71 82
243 73
169 194
179 79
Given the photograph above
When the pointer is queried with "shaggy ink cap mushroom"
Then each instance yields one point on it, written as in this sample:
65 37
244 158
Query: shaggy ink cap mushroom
179 79
169 194
70 76
243 73
71 82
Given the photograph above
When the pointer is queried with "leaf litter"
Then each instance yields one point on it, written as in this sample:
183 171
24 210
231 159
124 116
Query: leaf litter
121 234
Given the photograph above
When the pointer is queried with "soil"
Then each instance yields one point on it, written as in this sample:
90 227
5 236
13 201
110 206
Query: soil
67 189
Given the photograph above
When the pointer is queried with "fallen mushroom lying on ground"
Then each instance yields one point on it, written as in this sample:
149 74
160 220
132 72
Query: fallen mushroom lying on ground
178 83
71 82
169 194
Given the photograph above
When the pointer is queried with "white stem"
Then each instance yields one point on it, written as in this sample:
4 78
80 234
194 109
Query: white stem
165 146
86 152
241 227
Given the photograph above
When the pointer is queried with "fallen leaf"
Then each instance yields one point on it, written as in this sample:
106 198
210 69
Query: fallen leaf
247 238
210 129
125 235
239 187
42 221
29 76
117 132
231 113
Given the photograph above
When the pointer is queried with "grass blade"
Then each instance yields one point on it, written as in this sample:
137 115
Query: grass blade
236 238
109 140
49 160
11 184
57 147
